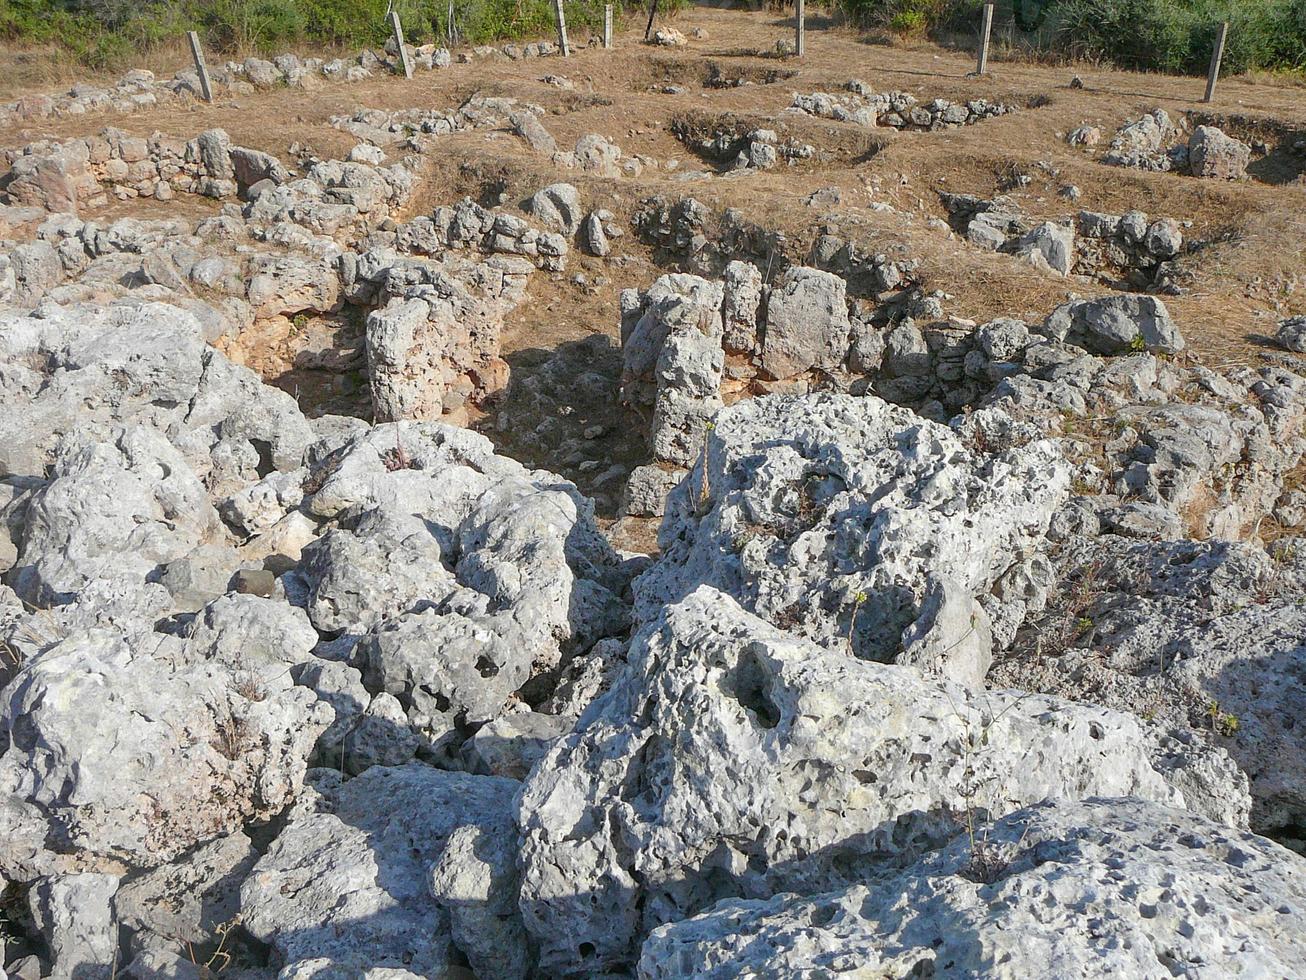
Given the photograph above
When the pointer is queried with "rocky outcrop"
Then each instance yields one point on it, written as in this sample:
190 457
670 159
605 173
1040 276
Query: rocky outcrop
706 773
897 110
1165 889
1140 144
464 575
1154 142
807 323
374 873
1291 334
202 744
806 511
1126 251
1116 325
1197 635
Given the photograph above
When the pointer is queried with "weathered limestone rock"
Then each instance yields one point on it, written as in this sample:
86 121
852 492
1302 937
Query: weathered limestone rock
1213 154
1101 888
113 510
186 901
1202 636
647 489
806 323
348 880
1050 246
73 912
475 880
688 394
1141 143
528 126
252 166
512 744
809 503
741 307
199 747
1291 334
595 155
558 207
593 236
708 770
280 285
466 574
1116 325
57 181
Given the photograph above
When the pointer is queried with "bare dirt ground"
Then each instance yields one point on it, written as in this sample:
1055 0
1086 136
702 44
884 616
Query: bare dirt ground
1249 271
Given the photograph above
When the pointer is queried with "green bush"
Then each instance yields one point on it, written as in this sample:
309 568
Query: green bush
108 33
1178 35
1149 35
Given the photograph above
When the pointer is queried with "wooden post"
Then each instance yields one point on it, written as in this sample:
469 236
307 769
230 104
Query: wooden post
201 69
450 33
1213 75
652 12
800 28
986 28
399 40
607 26
562 29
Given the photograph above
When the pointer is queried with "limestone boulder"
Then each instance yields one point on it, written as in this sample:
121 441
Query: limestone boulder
707 772
348 880
1099 888
199 747
833 516
1212 153
807 323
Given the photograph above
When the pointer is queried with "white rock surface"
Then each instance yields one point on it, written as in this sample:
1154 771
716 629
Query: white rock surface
1102 888
131 751
710 768
348 879
807 503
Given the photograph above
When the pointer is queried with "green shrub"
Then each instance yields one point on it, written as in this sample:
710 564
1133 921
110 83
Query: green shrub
1149 35
108 33
1178 35
909 22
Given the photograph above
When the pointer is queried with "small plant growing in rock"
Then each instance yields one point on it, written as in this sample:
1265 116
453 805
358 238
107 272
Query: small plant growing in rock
988 862
1138 345
9 656
1222 723
248 687
220 959
397 458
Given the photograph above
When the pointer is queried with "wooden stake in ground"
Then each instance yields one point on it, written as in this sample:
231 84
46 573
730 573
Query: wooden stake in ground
986 28
562 29
652 12
1217 55
399 40
450 33
607 26
800 28
201 69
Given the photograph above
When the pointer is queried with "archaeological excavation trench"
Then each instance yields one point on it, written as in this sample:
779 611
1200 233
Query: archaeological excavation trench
684 510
